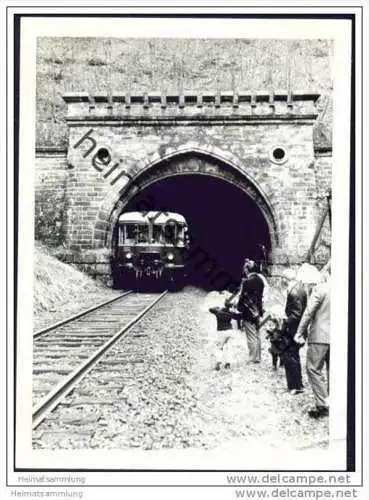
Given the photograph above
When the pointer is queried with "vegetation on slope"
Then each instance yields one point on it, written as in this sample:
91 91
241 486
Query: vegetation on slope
60 288
139 65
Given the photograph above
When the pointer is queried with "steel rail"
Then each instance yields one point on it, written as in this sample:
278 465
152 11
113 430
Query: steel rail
65 386
63 322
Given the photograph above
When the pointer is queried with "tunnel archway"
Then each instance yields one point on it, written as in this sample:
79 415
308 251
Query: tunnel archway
220 236
227 215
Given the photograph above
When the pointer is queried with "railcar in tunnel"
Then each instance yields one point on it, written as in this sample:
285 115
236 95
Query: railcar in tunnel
151 250
224 226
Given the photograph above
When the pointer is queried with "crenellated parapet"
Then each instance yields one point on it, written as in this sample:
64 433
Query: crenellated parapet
161 108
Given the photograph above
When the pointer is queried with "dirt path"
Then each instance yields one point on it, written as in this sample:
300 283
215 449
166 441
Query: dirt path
251 402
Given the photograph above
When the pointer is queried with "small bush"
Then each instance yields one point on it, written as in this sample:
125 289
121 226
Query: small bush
58 77
318 52
96 61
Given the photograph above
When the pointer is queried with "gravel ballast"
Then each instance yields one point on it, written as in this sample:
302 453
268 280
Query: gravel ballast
161 391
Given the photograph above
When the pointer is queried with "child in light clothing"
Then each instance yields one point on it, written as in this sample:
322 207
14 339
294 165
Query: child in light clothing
228 325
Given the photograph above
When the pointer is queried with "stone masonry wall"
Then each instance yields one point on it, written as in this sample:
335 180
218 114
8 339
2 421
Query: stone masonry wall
323 173
290 187
51 204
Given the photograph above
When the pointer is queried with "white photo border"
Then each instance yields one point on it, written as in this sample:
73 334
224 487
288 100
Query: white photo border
25 272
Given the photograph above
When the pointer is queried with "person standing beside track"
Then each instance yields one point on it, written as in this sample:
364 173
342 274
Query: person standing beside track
295 305
317 315
250 304
298 285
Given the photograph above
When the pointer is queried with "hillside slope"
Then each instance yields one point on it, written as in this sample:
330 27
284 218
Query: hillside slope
139 65
61 290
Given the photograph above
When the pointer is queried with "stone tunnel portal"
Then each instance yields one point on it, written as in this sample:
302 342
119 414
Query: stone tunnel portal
234 164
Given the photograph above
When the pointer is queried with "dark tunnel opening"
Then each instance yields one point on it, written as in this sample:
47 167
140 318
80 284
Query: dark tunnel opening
225 225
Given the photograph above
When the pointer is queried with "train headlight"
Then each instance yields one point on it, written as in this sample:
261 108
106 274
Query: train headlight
170 256
128 256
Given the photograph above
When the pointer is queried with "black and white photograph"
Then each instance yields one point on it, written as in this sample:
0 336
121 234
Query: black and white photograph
183 245
197 218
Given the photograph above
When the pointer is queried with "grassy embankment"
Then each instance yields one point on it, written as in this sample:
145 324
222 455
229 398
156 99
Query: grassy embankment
60 290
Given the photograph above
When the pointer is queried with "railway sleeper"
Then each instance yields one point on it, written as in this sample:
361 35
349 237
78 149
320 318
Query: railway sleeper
70 344
107 363
104 386
62 371
77 334
43 352
74 436
66 341
76 344
49 380
63 363
69 356
84 402
96 322
73 421
49 367
38 395
119 309
43 388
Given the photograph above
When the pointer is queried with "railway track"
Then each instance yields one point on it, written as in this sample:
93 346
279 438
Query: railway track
66 351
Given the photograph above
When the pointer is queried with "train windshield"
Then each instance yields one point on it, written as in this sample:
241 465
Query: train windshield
164 234
135 233
168 234
172 234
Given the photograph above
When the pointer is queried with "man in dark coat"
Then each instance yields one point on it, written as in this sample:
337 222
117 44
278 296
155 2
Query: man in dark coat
295 307
250 305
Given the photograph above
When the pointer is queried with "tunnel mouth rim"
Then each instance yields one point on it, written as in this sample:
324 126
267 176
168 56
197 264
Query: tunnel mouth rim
239 178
